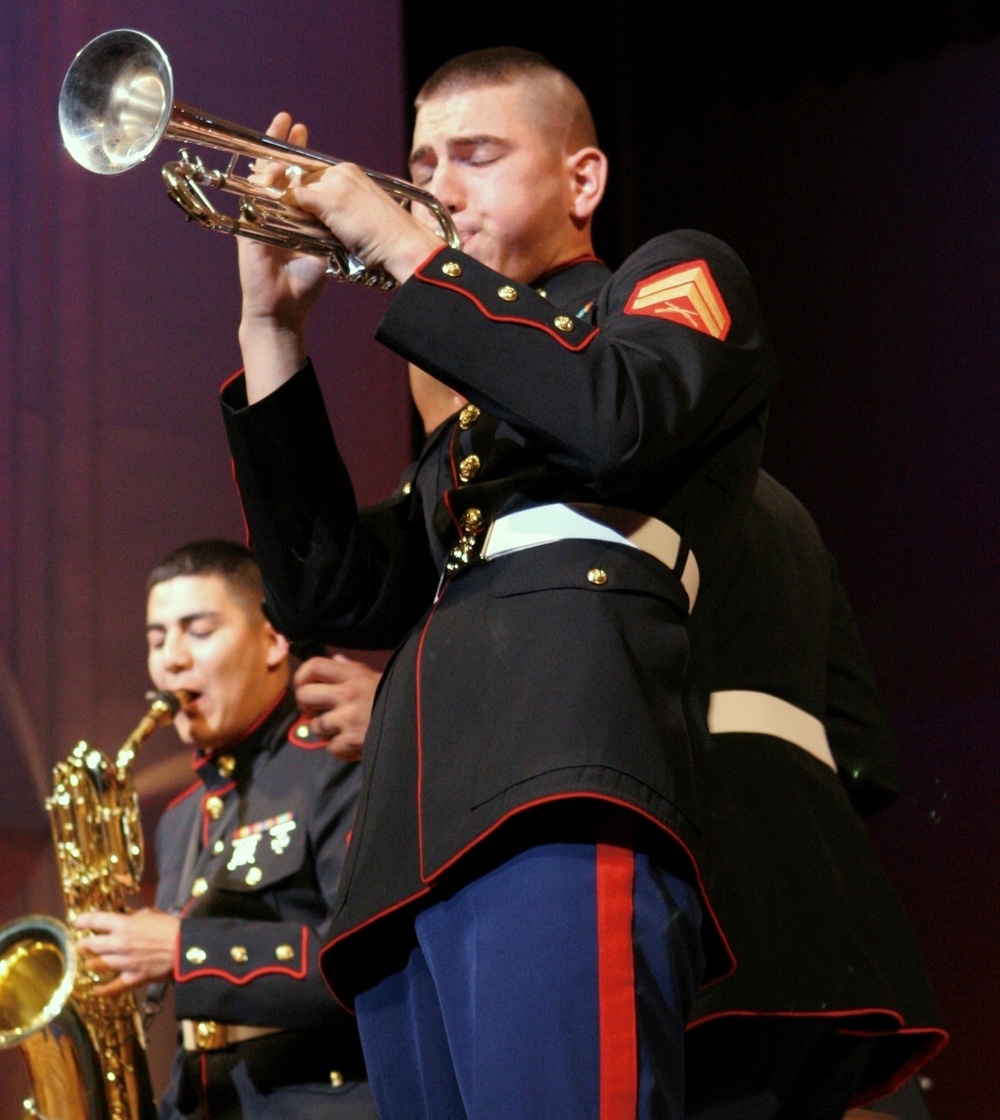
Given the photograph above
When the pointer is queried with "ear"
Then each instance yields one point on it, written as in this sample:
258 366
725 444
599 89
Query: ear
277 647
588 176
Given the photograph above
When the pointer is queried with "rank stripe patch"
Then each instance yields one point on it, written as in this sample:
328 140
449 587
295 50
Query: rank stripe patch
685 294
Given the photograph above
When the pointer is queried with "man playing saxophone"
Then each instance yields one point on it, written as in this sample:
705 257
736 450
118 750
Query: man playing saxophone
248 857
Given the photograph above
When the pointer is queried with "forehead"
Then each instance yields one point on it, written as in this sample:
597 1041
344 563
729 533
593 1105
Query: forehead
182 596
501 111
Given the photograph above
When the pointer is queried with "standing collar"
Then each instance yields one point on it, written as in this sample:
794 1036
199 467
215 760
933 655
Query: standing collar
573 285
234 763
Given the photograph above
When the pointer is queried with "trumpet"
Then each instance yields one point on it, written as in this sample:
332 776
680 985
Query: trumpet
117 104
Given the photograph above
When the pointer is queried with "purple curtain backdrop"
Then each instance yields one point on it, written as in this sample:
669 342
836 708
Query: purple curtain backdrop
117 327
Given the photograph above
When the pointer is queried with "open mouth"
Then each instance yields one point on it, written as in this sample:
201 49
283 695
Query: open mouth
190 700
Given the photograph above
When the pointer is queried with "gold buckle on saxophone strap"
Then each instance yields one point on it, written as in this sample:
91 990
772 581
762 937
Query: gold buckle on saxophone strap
205 1034
560 521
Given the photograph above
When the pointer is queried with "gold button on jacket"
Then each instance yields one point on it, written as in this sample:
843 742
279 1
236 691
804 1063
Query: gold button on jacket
469 468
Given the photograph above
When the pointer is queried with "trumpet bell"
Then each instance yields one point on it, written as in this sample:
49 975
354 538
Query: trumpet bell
116 100
117 104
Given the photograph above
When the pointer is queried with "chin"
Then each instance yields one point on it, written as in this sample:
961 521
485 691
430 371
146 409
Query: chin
183 728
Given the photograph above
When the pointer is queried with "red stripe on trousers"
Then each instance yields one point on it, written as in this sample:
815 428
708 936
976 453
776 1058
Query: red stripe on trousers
616 983
203 1067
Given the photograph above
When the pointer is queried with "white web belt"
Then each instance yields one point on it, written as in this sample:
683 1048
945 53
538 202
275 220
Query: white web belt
560 521
759 713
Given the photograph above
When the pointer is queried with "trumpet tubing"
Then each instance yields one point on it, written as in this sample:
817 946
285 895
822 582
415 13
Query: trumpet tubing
117 104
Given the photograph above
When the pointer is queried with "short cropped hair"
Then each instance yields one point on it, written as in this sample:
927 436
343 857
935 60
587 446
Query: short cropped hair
494 66
232 562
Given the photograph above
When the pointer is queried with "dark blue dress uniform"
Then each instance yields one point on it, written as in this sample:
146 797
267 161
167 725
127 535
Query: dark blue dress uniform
525 643
829 994
250 856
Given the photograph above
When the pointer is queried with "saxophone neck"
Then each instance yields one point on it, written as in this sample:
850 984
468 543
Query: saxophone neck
162 709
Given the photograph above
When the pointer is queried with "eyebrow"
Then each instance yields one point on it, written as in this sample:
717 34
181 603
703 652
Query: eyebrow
185 621
420 154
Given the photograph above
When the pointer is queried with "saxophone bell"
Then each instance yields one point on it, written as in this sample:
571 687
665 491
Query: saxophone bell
85 1052
38 963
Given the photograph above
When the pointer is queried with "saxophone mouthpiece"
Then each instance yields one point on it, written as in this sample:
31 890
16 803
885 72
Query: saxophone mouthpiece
172 701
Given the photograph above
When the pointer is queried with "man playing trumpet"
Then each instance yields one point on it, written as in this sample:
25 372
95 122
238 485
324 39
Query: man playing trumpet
529 829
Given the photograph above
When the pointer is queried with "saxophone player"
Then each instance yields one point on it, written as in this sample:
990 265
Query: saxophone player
249 858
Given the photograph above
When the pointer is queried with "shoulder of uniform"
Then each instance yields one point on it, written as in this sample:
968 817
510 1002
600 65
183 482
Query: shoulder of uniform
686 277
183 796
301 735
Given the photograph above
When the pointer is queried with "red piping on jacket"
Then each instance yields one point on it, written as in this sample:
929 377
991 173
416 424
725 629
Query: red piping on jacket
420 739
304 744
578 794
937 1039
270 970
220 792
203 1066
193 788
607 799
239 497
560 338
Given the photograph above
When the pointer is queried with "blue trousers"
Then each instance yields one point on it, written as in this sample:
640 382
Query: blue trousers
555 985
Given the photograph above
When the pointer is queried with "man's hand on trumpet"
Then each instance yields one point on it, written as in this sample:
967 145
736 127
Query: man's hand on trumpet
364 218
280 287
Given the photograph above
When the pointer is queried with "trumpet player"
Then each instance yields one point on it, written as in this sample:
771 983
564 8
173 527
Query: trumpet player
521 927
248 857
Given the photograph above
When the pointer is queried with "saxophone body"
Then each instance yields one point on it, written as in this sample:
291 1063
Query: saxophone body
85 1053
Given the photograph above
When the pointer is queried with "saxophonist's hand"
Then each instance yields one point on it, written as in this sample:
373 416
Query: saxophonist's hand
139 947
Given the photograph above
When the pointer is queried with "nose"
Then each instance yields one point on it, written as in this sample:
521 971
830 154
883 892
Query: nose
448 187
175 654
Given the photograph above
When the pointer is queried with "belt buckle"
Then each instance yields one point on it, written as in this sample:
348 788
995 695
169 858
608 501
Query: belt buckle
208 1035
464 551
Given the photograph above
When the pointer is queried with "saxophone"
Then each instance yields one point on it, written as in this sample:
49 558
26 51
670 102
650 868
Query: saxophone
85 1053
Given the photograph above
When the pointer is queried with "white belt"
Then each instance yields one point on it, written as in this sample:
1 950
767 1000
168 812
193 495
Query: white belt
582 520
759 713
204 1034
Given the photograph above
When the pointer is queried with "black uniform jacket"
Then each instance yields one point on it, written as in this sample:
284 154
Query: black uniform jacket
816 927
523 681
251 855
